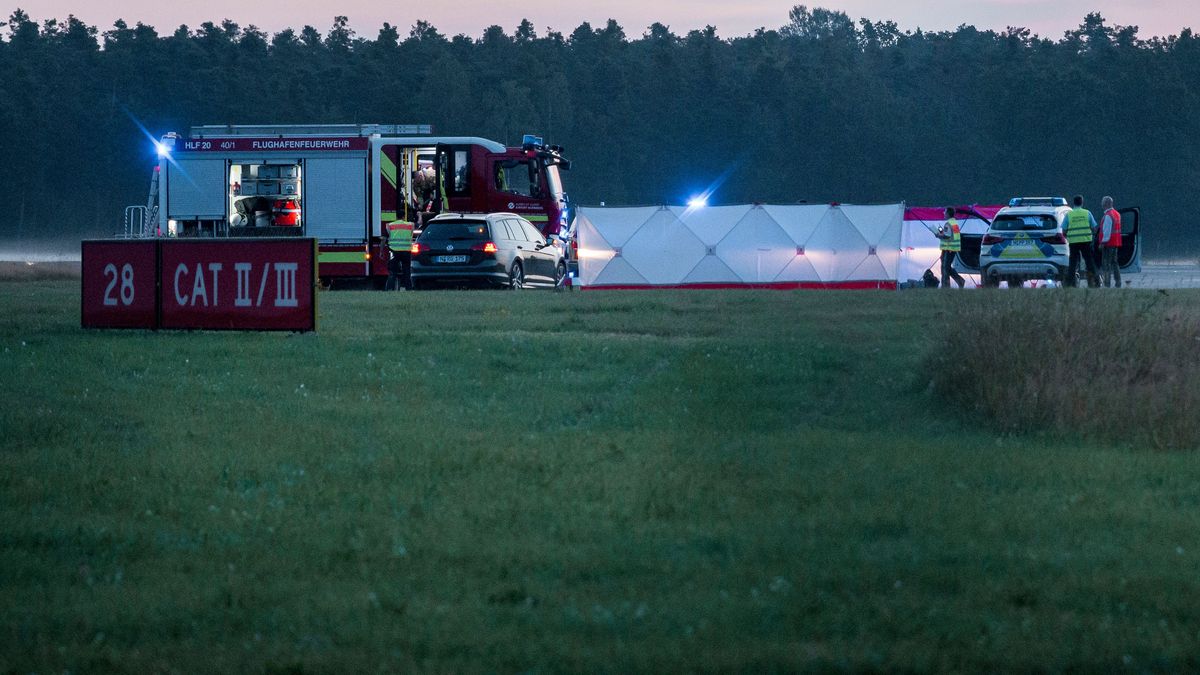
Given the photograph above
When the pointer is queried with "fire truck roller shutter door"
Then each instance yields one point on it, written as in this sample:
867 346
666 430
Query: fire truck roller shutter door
335 198
196 189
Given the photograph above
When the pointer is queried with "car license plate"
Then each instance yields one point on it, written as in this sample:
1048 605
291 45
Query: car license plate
450 259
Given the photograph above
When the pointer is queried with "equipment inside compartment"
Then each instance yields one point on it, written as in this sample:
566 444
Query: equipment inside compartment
266 198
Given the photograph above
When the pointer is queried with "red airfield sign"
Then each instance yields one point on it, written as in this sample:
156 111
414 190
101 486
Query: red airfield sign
120 280
210 284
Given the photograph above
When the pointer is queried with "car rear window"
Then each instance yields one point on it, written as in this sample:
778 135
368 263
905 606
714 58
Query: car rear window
1015 223
454 230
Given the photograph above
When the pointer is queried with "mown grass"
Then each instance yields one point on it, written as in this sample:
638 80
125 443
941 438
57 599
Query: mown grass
563 482
1117 366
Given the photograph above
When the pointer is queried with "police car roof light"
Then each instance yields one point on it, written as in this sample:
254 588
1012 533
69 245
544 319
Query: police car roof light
1037 201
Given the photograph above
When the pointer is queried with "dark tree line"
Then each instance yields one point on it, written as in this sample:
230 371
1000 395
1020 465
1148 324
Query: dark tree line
821 109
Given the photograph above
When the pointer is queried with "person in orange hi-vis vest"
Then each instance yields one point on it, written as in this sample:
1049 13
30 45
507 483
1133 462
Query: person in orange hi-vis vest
1110 244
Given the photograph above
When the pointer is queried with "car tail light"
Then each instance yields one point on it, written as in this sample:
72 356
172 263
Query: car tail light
991 239
1056 238
488 247
416 248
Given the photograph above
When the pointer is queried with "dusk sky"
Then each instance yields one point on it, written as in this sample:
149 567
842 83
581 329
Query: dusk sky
1048 18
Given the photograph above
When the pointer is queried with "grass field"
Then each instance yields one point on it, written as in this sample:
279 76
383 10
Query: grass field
611 482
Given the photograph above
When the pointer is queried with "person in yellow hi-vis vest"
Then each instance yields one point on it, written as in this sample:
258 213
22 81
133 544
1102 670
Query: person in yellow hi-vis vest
399 243
1080 229
951 235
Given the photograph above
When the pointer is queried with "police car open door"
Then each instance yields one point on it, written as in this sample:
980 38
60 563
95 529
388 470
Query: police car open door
1129 258
971 241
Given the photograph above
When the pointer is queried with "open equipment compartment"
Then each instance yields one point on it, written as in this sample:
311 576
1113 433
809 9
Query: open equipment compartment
266 198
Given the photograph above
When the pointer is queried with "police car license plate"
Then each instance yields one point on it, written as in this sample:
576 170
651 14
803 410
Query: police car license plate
450 259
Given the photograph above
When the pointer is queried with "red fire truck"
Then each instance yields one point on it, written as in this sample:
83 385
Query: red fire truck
342 184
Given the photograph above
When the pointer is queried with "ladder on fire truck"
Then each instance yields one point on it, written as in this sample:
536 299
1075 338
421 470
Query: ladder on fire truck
142 221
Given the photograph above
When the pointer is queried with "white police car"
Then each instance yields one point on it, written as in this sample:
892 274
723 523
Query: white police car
1025 242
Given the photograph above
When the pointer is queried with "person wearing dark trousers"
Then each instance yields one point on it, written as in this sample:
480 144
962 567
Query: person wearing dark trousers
1080 230
951 235
1110 243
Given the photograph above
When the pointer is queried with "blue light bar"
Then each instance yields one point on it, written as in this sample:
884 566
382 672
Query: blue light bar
1037 201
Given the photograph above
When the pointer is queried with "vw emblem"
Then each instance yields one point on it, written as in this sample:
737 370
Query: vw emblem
449 247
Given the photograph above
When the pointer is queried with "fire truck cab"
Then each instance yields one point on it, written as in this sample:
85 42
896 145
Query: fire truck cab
342 184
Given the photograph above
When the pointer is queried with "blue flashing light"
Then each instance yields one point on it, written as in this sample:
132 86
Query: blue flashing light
698 202
1037 201
162 150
